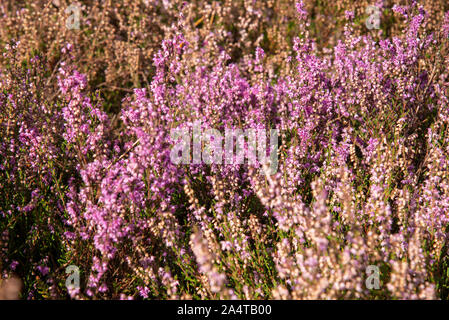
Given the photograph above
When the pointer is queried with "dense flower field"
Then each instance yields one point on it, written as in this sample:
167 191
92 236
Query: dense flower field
92 205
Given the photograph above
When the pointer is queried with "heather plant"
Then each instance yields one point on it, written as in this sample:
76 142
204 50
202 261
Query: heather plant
116 40
361 181
32 175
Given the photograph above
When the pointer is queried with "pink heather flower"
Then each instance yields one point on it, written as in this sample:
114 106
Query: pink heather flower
14 265
400 9
143 291
301 10
43 270
349 15
103 288
260 54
